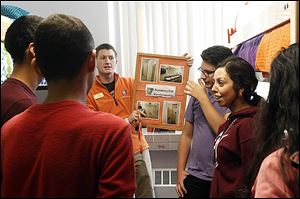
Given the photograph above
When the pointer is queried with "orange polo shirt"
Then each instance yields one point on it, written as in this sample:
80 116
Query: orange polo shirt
100 99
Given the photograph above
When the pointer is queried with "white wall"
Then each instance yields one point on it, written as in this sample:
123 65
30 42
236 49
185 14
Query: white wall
93 13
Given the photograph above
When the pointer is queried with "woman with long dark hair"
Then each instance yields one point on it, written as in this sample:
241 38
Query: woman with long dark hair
275 168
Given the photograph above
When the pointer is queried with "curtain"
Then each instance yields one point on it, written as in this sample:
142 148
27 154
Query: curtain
169 28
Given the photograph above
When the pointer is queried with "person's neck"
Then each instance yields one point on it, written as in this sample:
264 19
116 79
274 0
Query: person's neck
25 75
106 78
66 90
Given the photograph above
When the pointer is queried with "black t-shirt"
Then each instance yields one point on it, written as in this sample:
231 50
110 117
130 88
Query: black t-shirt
110 87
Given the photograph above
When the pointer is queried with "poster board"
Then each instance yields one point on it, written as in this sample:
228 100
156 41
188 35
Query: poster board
159 86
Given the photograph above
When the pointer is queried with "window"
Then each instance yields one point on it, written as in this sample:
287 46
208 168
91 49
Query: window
165 177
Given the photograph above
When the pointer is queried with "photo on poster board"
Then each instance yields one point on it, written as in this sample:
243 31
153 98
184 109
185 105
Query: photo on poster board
159 86
149 109
171 112
149 69
171 73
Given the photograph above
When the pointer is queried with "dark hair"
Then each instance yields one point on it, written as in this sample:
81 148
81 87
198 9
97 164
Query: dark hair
62 45
107 47
215 54
280 113
243 77
19 35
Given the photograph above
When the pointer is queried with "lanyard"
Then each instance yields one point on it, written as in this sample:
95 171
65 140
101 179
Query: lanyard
219 138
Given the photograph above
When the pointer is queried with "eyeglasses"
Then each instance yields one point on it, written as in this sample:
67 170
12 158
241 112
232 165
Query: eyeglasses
206 73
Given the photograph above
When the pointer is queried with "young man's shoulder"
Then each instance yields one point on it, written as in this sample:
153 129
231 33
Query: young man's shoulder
109 124
105 119
20 89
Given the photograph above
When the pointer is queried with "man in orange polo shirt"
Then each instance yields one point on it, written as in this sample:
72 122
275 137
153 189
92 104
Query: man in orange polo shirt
112 93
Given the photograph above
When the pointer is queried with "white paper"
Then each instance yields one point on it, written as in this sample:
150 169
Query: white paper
160 90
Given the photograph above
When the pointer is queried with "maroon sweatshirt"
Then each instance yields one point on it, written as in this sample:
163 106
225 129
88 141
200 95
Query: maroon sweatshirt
233 152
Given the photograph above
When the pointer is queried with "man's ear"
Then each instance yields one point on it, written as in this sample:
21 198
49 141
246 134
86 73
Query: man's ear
33 60
91 61
31 49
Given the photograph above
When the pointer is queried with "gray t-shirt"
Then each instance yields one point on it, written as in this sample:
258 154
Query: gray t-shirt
200 161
